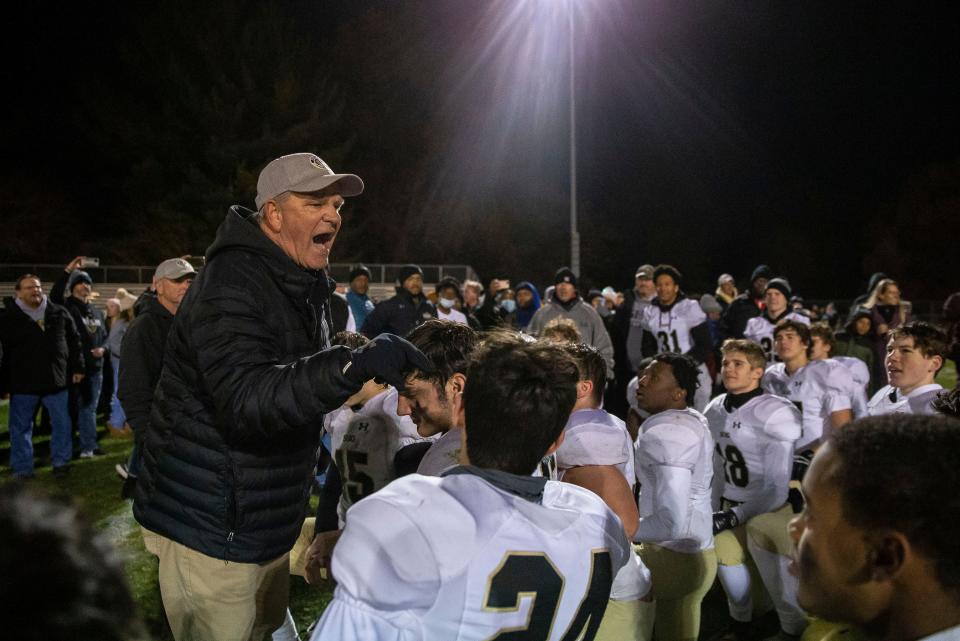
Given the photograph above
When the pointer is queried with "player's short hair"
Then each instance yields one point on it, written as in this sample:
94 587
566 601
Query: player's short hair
19 281
800 328
929 339
517 401
754 353
561 330
591 366
60 579
353 340
947 403
669 270
685 371
448 345
825 332
902 471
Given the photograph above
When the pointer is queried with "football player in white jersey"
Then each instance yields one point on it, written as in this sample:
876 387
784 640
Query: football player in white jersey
678 325
485 551
674 464
915 353
597 453
755 434
822 342
776 300
820 391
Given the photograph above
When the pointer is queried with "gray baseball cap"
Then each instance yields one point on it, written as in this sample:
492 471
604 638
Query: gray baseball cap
304 173
174 268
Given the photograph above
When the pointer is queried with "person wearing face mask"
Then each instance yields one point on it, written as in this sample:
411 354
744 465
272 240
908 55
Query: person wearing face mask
449 300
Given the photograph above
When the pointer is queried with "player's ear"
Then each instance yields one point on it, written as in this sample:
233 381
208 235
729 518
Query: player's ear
556 444
584 389
888 551
937 362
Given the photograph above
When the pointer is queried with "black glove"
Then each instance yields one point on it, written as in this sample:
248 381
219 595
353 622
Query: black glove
726 520
801 461
387 358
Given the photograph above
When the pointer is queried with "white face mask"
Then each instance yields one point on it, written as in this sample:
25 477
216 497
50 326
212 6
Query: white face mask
447 303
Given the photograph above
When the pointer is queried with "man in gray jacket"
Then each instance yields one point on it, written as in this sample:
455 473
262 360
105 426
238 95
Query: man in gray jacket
566 303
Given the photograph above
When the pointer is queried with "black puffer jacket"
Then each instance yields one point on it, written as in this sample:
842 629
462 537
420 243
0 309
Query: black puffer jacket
233 436
38 361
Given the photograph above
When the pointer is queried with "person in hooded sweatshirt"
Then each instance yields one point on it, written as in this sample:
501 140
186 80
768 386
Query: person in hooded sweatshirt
408 309
566 303
92 327
528 302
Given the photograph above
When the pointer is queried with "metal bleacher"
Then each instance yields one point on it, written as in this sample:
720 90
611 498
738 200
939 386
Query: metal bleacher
135 278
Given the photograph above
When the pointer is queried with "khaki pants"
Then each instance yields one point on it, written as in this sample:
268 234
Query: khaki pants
627 621
207 599
680 581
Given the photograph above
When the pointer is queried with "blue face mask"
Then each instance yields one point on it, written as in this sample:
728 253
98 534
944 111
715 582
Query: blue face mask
509 305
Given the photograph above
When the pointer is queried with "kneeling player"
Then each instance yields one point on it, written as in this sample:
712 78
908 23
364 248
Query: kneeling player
755 435
597 453
486 549
675 469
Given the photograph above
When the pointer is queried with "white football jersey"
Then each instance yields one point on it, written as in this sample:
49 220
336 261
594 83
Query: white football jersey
674 464
671 329
456 558
596 437
548 468
443 455
889 400
364 444
754 451
857 377
818 389
760 330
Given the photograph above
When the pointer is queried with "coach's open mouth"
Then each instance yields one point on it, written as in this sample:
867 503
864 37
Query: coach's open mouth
322 239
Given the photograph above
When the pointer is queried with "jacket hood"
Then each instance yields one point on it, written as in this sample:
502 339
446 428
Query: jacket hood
875 278
524 315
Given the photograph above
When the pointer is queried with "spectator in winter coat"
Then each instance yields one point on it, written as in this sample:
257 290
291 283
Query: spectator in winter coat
42 355
360 303
567 304
889 312
855 340
92 327
403 312
119 317
747 305
528 302
726 291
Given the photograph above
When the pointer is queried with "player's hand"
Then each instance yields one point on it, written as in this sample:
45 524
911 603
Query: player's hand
318 556
801 461
726 520
387 358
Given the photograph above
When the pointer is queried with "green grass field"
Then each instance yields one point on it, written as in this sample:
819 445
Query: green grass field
96 488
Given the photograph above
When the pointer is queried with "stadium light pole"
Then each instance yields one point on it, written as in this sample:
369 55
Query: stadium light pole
574 234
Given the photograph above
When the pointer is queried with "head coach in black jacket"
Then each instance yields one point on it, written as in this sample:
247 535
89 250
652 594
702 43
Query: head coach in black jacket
248 374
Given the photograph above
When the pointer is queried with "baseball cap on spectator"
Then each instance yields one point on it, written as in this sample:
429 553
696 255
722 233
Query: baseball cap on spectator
708 303
725 278
360 270
594 293
565 275
302 173
781 285
174 269
645 272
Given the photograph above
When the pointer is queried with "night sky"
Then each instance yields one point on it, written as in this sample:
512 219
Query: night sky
821 139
